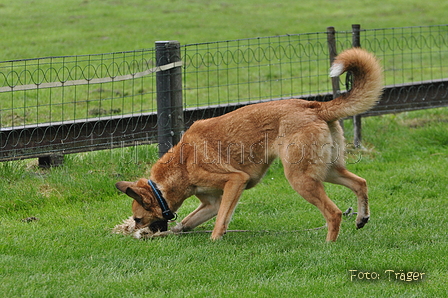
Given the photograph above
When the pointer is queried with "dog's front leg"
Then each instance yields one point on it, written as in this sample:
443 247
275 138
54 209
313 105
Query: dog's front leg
209 208
233 188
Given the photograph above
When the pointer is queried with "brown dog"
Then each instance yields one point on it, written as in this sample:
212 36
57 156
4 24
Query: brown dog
218 158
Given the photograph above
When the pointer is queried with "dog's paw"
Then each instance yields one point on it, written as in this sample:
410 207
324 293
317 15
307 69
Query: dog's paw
177 228
216 238
360 222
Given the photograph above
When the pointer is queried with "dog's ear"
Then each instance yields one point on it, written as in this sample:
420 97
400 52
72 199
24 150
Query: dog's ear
129 188
123 185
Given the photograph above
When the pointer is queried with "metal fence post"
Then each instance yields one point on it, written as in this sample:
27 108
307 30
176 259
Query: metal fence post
332 51
357 123
170 121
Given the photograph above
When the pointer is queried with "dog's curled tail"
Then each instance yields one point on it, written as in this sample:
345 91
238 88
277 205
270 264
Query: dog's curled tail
367 86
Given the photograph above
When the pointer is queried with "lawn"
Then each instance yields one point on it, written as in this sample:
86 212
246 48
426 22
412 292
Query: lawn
214 73
77 27
56 239
56 224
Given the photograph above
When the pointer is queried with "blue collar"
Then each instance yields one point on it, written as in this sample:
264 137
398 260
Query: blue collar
166 212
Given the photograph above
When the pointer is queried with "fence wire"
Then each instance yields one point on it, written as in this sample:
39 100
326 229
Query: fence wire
79 103
57 89
278 67
253 70
410 54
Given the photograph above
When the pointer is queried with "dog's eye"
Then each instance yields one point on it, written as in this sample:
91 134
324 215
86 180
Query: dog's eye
137 220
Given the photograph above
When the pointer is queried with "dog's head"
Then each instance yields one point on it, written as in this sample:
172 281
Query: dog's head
145 207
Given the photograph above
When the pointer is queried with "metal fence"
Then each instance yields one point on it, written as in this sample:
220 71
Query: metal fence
60 105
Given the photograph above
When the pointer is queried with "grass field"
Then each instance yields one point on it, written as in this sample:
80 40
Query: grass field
214 74
55 224
70 251
77 27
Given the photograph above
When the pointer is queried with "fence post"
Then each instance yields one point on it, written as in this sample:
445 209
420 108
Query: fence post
332 51
51 160
357 123
170 120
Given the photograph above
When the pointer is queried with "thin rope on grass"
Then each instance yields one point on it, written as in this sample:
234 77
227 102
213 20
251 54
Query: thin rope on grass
128 228
251 231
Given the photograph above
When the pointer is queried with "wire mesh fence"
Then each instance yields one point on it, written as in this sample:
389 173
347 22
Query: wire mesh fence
253 70
257 69
414 66
79 103
71 104
410 54
57 89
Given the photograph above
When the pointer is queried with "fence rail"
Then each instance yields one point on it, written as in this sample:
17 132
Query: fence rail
62 105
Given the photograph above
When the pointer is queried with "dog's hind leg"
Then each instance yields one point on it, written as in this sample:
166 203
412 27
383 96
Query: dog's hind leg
340 175
312 190
207 209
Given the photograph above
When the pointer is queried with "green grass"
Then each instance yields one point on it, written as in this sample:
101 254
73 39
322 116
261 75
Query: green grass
94 27
70 250
88 27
